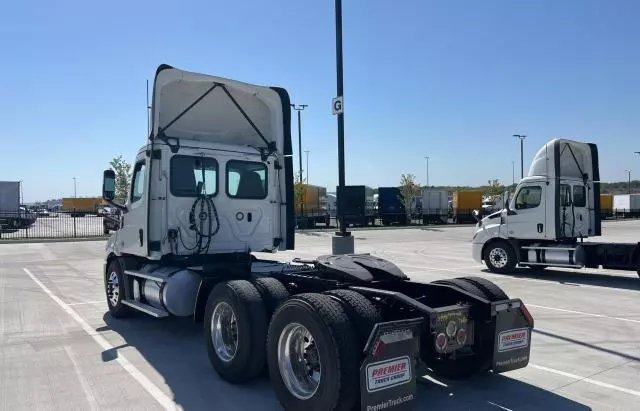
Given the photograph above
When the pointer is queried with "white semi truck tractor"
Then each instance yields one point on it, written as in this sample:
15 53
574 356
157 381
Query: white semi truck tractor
213 185
553 210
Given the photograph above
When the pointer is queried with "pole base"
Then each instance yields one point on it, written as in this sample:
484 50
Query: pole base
342 244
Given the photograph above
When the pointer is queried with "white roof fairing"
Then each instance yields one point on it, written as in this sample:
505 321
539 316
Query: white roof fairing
575 160
215 118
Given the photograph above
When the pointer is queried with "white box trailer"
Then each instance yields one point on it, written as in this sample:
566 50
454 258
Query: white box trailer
626 205
435 206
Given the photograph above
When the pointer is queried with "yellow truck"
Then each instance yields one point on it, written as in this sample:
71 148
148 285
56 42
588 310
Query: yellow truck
464 202
606 205
81 206
311 206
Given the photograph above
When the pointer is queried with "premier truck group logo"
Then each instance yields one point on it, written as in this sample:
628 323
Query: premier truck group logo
512 339
390 373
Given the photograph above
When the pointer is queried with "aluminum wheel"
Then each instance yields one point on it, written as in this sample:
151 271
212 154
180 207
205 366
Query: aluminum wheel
224 331
498 257
113 288
299 361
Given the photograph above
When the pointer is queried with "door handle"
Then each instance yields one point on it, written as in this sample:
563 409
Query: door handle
140 236
540 226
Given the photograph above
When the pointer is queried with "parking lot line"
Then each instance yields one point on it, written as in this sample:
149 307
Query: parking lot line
86 303
586 379
166 402
543 307
83 381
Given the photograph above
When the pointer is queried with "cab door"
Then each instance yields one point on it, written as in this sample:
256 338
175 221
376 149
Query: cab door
580 211
527 217
131 238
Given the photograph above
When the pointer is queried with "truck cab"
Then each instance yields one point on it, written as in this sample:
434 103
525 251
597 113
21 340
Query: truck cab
552 208
215 144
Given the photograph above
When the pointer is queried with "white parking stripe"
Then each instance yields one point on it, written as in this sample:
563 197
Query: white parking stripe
166 402
91 399
543 307
87 303
587 380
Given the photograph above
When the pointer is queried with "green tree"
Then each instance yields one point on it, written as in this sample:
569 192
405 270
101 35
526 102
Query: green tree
408 190
494 188
123 175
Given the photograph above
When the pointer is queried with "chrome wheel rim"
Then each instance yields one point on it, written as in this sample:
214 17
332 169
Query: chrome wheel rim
498 257
113 289
224 331
299 361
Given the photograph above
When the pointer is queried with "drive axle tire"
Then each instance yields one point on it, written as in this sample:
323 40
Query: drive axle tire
463 285
273 293
114 290
361 312
500 257
491 290
235 329
312 352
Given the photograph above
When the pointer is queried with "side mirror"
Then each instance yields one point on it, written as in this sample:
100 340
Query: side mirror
108 185
476 215
505 200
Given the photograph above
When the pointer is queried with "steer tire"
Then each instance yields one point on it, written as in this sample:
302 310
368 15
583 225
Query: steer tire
491 290
251 329
503 251
361 312
336 341
114 287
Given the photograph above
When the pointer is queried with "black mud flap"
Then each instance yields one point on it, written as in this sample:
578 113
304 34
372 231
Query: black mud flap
513 336
388 372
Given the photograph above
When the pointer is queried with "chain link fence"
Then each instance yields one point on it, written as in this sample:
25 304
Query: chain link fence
77 223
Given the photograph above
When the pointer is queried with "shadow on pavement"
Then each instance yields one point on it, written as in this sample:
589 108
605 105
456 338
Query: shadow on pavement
577 278
491 392
174 347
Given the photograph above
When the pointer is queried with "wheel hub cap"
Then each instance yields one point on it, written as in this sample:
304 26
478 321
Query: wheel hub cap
224 331
113 288
299 361
498 257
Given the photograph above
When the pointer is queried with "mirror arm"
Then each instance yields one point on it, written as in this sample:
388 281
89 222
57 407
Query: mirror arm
117 205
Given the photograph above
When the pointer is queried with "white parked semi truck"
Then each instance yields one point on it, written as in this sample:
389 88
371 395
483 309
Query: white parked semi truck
213 184
554 208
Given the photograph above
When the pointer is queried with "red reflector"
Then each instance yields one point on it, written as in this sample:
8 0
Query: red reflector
461 337
441 341
527 314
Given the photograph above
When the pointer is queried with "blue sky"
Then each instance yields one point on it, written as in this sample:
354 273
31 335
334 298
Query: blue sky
449 79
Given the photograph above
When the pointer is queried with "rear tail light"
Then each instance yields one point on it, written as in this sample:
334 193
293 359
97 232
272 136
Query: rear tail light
451 329
527 314
441 341
461 336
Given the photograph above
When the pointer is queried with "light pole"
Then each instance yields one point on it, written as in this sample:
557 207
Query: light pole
75 192
521 137
629 184
306 166
513 173
342 242
299 109
427 158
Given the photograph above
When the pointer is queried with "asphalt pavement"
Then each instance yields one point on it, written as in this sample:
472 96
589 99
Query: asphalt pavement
60 349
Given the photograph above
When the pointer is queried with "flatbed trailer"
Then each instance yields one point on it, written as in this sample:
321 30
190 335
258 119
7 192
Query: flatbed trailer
336 332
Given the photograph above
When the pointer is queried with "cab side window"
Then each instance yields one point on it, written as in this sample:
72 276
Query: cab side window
528 197
137 182
579 196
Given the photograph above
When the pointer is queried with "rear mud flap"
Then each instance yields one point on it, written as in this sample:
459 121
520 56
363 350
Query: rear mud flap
388 372
512 338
